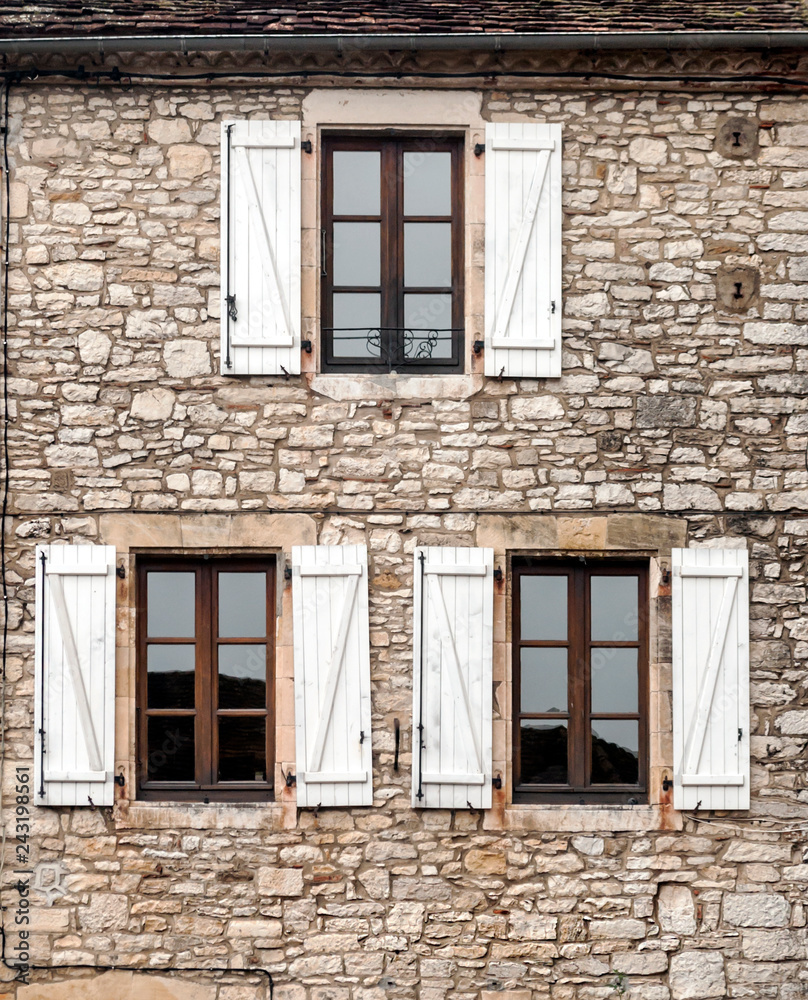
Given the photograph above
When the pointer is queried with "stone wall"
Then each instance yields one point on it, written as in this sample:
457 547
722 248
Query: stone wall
676 400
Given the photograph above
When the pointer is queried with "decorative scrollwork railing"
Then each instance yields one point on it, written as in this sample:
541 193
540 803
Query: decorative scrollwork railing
409 345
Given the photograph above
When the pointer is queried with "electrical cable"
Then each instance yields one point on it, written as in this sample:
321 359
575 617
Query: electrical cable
747 819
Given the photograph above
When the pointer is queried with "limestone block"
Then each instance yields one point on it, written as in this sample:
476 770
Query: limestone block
249 928
186 358
94 347
78 276
544 407
697 974
153 404
619 927
121 986
773 946
71 213
676 910
406 918
106 911
481 862
188 161
166 130
651 152
280 881
756 909
532 927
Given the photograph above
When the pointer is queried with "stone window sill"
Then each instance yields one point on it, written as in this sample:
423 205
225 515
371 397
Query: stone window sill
583 819
388 386
273 817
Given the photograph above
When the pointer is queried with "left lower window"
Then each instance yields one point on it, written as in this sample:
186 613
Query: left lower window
205 678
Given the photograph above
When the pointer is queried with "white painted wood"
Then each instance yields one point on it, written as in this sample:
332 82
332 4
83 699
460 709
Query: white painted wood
523 250
74 700
332 675
711 678
261 257
452 677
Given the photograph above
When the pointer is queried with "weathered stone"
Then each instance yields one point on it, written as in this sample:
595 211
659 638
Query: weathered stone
280 881
186 358
188 161
756 910
153 404
677 911
697 974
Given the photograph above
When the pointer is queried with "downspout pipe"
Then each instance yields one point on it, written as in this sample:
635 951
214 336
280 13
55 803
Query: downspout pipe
345 43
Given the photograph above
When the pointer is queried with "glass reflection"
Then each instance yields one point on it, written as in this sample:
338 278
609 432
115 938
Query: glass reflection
432 314
614 601
543 679
357 182
242 676
170 676
242 748
615 752
170 599
357 253
427 254
427 183
614 680
543 607
171 749
357 317
544 752
242 605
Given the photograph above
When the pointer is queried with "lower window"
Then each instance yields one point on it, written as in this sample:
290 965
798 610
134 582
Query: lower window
580 681
205 671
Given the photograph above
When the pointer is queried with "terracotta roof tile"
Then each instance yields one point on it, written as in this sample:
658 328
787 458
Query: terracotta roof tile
19 18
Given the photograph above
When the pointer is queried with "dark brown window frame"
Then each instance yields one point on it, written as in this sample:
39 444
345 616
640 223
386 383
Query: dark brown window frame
205 787
579 715
392 146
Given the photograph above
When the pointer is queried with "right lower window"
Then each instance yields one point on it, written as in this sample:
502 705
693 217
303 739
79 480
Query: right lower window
580 681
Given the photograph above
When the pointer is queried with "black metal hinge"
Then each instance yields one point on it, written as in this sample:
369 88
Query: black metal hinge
231 307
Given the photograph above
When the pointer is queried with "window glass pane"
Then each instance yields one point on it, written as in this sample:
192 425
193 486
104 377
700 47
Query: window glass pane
427 254
171 749
357 182
242 605
614 608
242 676
543 607
357 253
615 752
170 600
171 677
433 315
357 317
543 679
427 183
242 748
544 752
614 680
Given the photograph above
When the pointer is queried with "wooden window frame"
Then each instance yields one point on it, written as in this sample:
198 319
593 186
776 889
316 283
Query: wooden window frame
392 147
205 787
579 716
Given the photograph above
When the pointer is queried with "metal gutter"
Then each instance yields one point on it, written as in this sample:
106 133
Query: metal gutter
344 43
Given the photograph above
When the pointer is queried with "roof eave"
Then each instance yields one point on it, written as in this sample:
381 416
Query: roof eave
343 43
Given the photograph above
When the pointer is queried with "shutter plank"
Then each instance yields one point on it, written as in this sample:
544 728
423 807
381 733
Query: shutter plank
75 650
711 678
523 249
262 263
332 675
452 688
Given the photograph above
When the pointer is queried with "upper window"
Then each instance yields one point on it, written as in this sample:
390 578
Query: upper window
205 691
392 255
580 668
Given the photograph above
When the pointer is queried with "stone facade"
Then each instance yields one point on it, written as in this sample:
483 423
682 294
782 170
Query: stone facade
681 418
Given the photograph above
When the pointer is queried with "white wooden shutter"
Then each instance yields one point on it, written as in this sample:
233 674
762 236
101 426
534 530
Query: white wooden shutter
711 678
332 675
523 250
74 745
261 189
453 677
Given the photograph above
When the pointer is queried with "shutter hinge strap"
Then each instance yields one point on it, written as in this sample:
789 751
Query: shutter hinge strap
232 312
740 735
553 306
